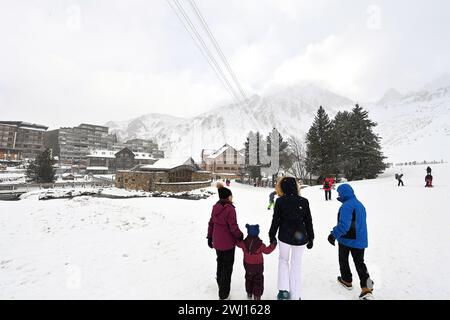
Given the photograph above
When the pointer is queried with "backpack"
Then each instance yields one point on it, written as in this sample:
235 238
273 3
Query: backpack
396 176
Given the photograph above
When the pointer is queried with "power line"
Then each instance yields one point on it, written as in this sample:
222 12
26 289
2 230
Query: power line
201 45
217 46
202 42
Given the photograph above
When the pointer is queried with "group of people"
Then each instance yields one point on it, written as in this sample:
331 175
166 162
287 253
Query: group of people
428 179
291 231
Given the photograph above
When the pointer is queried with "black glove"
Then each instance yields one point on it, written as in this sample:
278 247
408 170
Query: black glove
241 238
210 244
273 241
331 239
309 245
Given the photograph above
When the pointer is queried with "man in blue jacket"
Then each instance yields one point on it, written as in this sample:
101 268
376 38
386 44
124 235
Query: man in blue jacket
351 234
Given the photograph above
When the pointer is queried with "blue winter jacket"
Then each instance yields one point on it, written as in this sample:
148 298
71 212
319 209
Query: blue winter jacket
351 230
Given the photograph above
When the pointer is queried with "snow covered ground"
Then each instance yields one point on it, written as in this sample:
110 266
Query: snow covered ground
155 248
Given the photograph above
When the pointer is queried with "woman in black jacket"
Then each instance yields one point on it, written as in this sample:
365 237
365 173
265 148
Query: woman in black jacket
292 220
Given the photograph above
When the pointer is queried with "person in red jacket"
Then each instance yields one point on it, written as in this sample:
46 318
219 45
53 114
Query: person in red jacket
254 248
327 186
223 235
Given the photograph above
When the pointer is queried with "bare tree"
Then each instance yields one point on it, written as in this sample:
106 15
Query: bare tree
298 154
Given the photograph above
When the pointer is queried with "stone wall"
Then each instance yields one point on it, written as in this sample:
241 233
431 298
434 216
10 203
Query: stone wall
180 187
159 181
202 176
139 180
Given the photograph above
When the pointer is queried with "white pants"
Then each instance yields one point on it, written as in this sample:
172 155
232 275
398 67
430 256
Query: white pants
289 269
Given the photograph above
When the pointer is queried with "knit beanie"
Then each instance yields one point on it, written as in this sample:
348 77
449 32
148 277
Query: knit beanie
252 230
224 192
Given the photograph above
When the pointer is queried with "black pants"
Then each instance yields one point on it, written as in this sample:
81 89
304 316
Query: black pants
358 259
327 194
400 182
225 261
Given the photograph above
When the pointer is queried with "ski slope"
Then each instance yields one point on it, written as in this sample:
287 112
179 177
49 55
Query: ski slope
155 248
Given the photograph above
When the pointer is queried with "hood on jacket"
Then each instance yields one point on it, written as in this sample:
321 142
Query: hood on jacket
224 202
252 244
220 206
287 186
345 192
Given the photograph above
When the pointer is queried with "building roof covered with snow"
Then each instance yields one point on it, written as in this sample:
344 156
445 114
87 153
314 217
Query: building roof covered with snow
217 153
226 154
169 164
97 168
111 154
25 125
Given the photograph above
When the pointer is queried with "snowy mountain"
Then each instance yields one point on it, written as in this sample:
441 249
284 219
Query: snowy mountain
391 96
441 82
415 127
290 110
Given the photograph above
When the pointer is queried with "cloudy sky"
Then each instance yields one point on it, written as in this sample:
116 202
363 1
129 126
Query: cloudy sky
65 62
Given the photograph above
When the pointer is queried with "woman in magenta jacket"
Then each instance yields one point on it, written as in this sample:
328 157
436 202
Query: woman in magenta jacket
223 235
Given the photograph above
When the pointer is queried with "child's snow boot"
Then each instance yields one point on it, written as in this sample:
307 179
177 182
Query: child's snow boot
345 284
256 298
249 296
283 295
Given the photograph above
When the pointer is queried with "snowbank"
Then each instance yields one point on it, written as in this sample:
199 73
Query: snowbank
112 193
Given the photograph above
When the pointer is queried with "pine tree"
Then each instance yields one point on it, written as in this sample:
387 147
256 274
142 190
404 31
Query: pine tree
41 169
318 145
32 172
342 142
364 159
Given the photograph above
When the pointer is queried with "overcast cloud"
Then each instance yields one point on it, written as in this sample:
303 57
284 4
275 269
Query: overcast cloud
66 62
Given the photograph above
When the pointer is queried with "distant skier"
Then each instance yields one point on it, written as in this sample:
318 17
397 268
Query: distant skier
399 178
351 234
292 220
271 200
223 234
428 170
254 248
429 181
228 182
327 186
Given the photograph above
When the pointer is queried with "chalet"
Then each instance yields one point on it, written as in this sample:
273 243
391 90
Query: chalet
226 161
